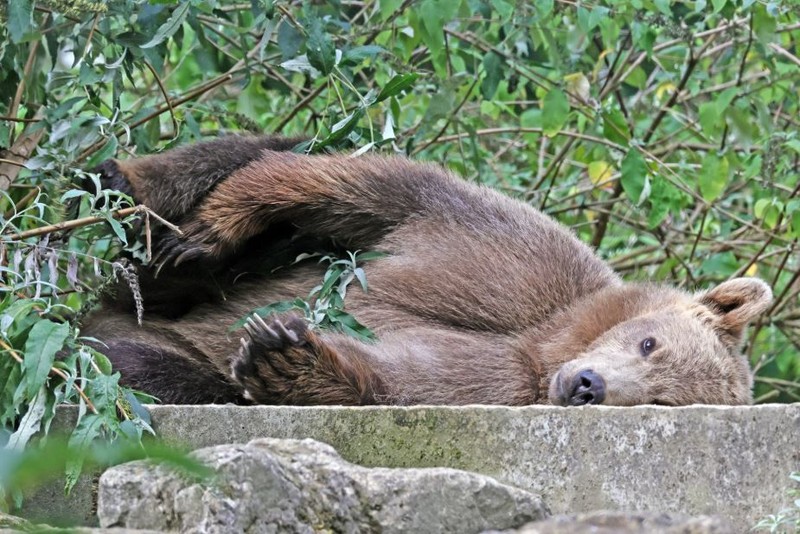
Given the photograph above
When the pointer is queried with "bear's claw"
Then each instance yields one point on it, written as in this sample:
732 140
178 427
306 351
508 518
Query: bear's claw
174 250
276 335
272 357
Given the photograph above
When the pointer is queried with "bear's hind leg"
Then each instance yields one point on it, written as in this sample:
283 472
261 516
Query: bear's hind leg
170 377
283 362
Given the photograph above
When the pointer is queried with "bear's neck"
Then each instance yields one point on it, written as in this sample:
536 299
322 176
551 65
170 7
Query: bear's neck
569 332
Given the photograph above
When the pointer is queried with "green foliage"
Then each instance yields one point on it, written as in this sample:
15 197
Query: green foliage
787 520
664 132
325 305
26 470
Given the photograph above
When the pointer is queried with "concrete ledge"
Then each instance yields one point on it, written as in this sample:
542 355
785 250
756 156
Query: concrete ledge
727 461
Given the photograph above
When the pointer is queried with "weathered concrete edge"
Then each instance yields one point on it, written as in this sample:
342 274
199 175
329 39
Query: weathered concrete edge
731 461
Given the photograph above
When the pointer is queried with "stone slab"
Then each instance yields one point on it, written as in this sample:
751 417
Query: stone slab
304 486
732 462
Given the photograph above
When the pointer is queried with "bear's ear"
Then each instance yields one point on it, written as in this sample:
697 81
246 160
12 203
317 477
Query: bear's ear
736 303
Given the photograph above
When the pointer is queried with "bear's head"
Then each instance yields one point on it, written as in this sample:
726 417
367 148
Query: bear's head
646 344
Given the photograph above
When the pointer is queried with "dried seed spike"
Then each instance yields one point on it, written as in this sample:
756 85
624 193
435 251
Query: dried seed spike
52 270
72 271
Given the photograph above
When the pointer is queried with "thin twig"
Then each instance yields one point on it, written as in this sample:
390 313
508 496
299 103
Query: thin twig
17 119
53 371
300 105
12 162
86 221
26 72
166 97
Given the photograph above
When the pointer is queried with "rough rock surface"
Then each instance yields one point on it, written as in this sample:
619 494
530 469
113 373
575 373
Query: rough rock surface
275 485
730 461
10 524
625 523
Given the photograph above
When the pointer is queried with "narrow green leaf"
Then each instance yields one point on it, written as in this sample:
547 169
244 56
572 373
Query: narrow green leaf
103 390
794 144
108 151
433 25
555 109
764 24
643 36
796 224
331 278
599 13
167 29
119 231
359 273
20 19
633 172
82 437
713 176
289 39
300 64
544 7
45 339
720 264
137 408
398 84
9 380
710 119
504 9
30 423
358 54
319 48
341 129
663 6
73 193
768 210
349 324
663 197
761 207
493 73
615 128
725 98
372 255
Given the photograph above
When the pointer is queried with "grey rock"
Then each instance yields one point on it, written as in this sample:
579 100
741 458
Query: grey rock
10 524
274 485
731 461
47 529
625 523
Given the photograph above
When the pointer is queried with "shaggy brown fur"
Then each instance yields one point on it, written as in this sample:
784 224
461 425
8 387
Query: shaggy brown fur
479 298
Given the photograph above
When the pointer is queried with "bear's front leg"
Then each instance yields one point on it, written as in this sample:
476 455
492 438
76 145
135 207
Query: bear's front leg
282 362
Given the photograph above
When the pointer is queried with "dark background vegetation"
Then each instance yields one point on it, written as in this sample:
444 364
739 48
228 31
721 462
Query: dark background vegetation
664 133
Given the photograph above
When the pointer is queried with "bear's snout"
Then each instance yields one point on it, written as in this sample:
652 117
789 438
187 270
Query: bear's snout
587 387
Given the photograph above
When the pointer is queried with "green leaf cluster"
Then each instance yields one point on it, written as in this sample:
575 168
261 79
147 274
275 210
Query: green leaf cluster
325 305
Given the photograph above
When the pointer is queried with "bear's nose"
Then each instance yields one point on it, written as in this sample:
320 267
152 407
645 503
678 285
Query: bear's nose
587 388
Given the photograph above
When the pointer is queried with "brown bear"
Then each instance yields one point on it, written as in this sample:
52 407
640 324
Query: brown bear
478 298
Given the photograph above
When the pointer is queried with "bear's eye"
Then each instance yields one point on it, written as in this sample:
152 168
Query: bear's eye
648 346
